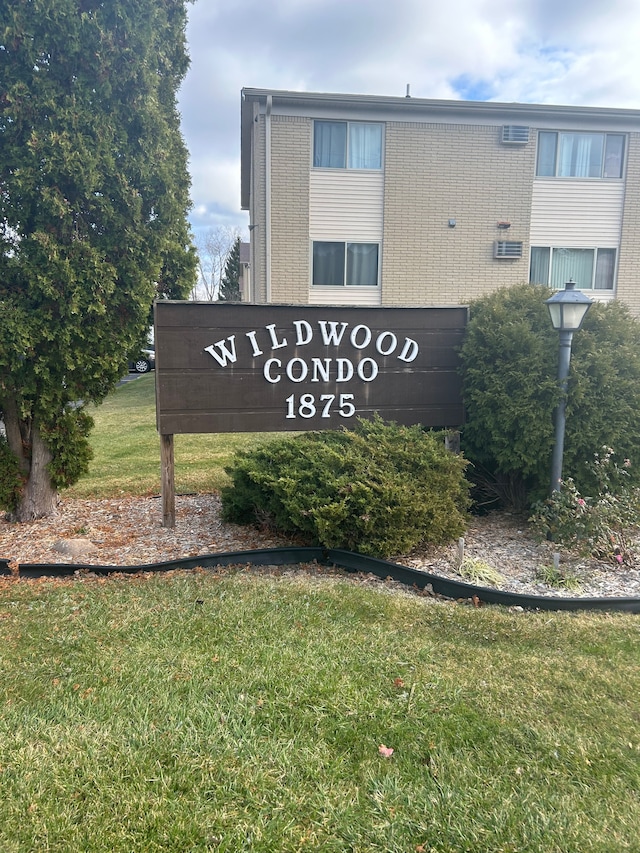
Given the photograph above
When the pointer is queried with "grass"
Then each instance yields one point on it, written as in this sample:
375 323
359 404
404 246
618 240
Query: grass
557 577
127 449
239 712
480 572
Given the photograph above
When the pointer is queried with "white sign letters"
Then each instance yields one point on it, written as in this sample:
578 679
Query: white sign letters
283 357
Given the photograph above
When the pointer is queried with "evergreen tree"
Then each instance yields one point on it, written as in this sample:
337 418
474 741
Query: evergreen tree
93 204
230 284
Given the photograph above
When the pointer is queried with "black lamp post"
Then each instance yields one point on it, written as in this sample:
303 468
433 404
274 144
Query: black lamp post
567 308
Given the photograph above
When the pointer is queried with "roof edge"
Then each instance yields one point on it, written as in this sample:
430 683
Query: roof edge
298 97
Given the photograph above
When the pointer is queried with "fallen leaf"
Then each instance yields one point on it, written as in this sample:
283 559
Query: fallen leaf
385 751
398 682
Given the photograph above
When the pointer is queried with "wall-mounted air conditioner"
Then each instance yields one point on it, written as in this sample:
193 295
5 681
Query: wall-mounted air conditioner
507 249
515 134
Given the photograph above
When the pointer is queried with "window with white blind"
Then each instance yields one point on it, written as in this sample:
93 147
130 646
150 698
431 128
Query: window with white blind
580 155
590 269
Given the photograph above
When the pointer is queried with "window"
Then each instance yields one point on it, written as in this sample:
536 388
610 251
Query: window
350 264
347 145
580 155
591 269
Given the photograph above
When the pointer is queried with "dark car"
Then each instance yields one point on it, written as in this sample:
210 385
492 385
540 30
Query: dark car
145 361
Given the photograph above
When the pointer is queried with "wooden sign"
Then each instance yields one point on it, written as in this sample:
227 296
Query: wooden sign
223 367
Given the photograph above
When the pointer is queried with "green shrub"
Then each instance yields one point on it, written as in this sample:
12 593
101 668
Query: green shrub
509 365
379 489
67 439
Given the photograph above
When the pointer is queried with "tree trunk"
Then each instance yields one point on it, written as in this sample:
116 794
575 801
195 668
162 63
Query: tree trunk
39 498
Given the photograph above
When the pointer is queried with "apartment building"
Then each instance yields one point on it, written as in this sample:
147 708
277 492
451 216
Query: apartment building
392 201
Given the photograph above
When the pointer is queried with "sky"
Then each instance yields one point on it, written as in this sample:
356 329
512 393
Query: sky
565 52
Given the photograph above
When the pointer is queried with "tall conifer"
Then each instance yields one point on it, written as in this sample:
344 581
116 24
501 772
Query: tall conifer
94 194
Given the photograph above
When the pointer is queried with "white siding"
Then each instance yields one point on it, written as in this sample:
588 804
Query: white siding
601 295
577 213
345 205
356 296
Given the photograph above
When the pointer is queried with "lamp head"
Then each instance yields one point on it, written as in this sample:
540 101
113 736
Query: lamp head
568 308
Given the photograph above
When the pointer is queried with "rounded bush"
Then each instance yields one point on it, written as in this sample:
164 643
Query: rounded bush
509 364
379 489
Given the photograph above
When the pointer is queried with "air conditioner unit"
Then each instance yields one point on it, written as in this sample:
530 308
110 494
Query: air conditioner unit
507 249
515 134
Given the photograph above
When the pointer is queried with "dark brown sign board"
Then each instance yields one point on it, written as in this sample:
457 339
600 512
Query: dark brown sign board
223 367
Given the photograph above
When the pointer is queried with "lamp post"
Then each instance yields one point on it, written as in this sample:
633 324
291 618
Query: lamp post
567 309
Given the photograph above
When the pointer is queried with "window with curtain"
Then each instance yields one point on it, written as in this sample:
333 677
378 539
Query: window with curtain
540 260
576 264
591 269
345 264
365 146
347 145
362 264
580 155
330 144
328 263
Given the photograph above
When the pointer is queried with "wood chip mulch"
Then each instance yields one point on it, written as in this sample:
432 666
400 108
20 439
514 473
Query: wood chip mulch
128 531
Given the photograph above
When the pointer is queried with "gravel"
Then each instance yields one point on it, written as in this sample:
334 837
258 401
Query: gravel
128 531
505 544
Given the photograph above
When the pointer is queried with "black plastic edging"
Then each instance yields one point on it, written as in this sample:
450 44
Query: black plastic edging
343 559
259 557
458 589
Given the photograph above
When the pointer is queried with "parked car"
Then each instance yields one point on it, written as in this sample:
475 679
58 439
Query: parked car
145 361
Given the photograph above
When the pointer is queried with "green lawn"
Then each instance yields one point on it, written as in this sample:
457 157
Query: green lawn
127 449
245 713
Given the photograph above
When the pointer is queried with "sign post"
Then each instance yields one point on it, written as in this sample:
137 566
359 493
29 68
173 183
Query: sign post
167 481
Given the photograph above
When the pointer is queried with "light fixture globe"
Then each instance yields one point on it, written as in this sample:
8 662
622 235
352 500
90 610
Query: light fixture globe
568 308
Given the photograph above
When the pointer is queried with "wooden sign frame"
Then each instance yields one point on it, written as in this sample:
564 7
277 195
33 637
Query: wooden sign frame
229 367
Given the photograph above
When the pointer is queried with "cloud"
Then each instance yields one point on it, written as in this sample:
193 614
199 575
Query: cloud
537 51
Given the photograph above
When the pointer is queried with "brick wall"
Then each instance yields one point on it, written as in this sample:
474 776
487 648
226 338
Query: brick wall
257 213
628 290
290 165
436 172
